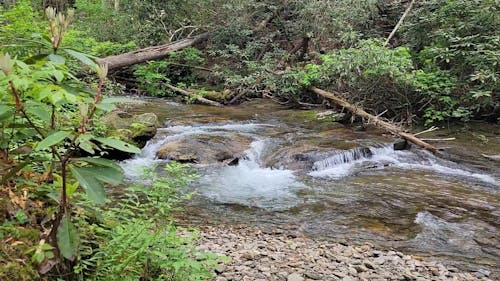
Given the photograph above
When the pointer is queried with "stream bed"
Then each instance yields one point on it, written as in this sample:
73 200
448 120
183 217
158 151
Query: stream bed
330 182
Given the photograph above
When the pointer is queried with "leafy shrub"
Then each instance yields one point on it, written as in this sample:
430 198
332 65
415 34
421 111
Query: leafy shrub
461 38
382 79
152 77
17 23
137 239
47 110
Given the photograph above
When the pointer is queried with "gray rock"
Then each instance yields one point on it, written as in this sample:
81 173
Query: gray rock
339 274
295 277
352 271
314 275
360 268
482 273
206 149
369 265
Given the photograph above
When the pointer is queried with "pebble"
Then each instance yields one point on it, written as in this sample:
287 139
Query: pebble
295 277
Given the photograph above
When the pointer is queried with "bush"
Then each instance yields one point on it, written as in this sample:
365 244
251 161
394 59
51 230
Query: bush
136 239
153 77
382 79
18 22
461 38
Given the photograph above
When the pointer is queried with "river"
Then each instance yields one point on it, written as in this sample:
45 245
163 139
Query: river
336 183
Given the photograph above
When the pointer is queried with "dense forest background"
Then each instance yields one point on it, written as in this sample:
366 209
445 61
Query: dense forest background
441 66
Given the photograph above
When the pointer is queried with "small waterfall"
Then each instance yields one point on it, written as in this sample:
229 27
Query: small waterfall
360 159
343 158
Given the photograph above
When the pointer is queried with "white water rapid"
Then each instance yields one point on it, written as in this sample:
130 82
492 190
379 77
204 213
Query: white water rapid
250 184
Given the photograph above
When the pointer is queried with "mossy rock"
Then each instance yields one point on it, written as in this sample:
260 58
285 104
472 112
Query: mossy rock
135 129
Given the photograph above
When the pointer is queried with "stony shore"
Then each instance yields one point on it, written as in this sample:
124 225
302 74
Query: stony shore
260 256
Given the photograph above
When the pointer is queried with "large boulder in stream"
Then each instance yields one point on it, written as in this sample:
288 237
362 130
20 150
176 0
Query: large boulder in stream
206 149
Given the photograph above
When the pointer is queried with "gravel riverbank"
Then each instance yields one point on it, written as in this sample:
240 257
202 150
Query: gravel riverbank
260 256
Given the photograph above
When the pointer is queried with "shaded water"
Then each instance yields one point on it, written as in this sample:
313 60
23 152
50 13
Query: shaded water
335 184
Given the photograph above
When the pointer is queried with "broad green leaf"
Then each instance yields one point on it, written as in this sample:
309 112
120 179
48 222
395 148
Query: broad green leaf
44 93
118 144
100 162
105 174
39 111
67 238
59 75
85 59
34 59
53 139
70 98
83 141
5 112
92 186
87 146
56 97
56 59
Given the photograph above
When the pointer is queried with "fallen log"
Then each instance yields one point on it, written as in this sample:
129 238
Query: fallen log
150 53
191 95
393 129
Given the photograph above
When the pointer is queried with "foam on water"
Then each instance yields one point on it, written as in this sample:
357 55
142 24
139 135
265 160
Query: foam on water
134 167
249 184
439 234
347 163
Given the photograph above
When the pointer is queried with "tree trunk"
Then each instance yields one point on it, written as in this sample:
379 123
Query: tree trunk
399 22
150 53
374 119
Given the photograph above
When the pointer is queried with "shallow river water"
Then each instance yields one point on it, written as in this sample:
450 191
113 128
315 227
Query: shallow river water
332 182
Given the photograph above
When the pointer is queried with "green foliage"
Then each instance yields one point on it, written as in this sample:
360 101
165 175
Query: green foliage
144 22
99 20
383 79
19 22
45 102
176 69
67 238
137 240
461 38
21 26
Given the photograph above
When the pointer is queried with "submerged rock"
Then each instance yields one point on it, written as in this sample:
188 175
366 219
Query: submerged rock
402 145
492 157
317 119
206 149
